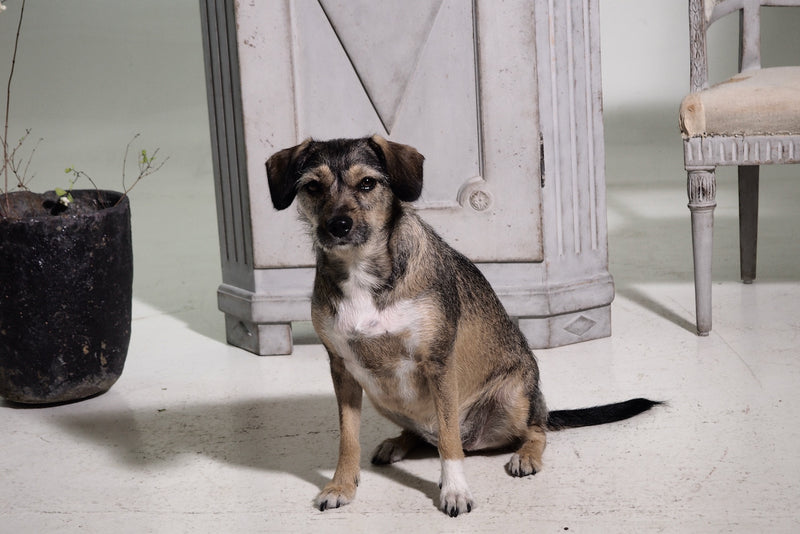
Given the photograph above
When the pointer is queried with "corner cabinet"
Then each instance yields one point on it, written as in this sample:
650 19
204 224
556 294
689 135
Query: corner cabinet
502 98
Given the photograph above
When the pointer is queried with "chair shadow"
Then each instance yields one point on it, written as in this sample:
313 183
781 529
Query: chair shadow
645 301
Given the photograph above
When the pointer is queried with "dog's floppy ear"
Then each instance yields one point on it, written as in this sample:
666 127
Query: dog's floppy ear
283 169
404 165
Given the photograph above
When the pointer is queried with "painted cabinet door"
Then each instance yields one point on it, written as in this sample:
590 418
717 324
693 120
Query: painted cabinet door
454 78
460 81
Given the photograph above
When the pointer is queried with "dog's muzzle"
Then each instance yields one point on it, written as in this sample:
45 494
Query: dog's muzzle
339 226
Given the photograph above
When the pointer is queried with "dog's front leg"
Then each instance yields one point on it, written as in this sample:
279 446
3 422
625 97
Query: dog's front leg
455 497
342 488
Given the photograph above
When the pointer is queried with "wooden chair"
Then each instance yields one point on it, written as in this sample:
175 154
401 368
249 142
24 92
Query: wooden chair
751 119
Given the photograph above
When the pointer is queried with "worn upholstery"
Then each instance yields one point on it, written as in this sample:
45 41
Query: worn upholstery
758 102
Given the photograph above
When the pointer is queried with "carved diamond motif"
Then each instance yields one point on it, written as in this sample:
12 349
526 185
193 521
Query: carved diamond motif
580 325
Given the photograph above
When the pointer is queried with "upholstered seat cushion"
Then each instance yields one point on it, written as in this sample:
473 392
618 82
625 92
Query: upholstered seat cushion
759 102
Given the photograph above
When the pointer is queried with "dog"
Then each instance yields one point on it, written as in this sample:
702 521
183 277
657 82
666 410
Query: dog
412 323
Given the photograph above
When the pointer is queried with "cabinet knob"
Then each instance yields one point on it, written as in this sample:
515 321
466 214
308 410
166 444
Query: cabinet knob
475 194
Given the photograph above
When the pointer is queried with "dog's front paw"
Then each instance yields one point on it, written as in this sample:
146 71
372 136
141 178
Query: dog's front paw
454 502
521 465
455 497
334 496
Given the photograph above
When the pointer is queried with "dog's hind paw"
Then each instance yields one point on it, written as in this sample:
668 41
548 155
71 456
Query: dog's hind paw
387 453
334 496
523 465
394 449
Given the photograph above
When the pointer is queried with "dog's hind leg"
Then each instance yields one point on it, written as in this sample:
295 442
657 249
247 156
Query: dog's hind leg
395 449
342 488
528 459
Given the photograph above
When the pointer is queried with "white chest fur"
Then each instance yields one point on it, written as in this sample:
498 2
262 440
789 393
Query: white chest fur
357 315
358 318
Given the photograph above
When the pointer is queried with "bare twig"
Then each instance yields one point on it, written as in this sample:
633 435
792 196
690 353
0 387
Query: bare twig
6 163
80 174
24 182
15 163
146 166
125 159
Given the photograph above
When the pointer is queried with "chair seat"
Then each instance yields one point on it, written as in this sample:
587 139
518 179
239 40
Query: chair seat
759 102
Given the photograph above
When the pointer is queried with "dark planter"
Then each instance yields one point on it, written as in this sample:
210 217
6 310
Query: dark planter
66 280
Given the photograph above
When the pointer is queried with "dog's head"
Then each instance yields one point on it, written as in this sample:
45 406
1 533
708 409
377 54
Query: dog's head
346 189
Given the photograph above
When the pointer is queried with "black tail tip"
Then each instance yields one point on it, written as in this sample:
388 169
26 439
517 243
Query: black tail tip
642 404
632 407
599 415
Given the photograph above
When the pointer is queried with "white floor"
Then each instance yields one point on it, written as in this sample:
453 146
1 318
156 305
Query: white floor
198 436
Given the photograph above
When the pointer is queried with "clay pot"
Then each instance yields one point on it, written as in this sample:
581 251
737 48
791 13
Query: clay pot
66 278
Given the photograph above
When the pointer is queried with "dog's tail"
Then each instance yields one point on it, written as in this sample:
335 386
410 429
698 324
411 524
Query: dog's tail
598 415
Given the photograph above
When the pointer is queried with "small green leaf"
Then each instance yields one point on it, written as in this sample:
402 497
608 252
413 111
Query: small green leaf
60 192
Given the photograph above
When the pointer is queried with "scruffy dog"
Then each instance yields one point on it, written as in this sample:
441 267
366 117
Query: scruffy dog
411 322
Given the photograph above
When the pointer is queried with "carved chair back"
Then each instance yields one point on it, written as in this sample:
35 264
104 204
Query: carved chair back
703 13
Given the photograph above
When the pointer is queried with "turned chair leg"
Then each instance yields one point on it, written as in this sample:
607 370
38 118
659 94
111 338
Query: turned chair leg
748 221
702 201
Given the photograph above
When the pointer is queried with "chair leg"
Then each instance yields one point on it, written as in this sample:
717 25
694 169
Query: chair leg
748 221
702 201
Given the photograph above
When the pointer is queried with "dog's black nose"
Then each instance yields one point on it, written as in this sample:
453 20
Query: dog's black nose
340 226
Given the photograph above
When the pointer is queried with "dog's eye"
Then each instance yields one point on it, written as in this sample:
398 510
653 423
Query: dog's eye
367 184
313 187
